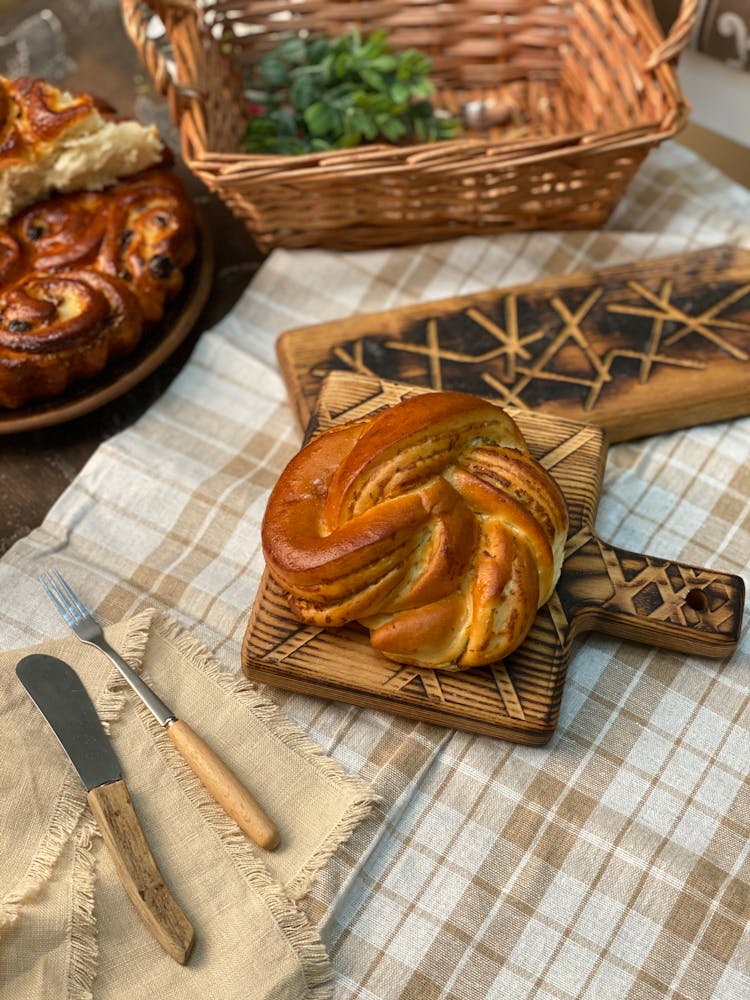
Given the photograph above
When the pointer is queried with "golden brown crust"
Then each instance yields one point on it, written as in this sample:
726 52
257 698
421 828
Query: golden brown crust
33 114
11 258
64 260
58 328
54 142
430 523
61 232
149 238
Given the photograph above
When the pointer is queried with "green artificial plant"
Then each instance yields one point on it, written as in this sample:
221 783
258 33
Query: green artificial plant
315 94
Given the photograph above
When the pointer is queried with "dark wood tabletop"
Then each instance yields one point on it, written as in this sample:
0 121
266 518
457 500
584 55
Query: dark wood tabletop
81 44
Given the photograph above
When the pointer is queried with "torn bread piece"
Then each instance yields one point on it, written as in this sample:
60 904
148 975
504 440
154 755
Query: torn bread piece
52 141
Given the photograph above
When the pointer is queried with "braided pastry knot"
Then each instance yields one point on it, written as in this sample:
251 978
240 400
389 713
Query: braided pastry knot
430 523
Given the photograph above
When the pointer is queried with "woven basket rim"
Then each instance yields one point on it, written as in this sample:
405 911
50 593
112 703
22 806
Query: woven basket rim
553 145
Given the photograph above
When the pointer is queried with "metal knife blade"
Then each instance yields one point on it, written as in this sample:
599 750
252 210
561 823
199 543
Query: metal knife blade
58 693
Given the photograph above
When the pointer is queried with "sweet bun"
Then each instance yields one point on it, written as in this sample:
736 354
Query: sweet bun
149 238
430 523
58 328
52 141
82 275
62 231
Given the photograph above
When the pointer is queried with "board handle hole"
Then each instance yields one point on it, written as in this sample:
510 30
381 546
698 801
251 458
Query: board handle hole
697 600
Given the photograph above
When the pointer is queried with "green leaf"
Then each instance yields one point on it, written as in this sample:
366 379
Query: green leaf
399 93
349 139
318 48
374 80
273 72
293 50
393 129
302 92
422 88
376 43
365 123
415 62
317 118
341 65
384 64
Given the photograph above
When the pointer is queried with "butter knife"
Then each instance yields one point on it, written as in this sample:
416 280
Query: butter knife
58 693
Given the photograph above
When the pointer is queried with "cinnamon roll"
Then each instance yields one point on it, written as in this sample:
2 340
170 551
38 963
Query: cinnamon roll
81 273
62 232
57 328
150 238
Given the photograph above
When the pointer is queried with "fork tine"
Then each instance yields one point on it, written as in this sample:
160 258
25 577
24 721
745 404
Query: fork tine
51 590
73 602
63 597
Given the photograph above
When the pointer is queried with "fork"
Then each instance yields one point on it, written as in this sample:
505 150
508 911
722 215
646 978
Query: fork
213 773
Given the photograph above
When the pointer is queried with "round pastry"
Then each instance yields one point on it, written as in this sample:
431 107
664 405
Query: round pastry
128 245
80 273
61 232
150 238
57 328
430 523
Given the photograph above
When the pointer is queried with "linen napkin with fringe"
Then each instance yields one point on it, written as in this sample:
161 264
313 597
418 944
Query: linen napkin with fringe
67 929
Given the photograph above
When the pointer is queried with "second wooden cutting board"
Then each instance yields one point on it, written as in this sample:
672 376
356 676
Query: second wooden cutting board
638 349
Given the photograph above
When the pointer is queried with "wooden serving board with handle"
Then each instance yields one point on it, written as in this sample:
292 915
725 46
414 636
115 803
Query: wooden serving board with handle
646 599
636 349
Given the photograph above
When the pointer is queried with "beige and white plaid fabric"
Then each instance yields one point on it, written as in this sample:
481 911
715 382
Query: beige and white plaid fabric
612 863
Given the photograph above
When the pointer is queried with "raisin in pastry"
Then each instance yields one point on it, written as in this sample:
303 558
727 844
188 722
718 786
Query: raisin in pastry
150 238
58 328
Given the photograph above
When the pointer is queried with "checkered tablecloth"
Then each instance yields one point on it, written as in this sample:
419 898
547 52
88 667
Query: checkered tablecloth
612 863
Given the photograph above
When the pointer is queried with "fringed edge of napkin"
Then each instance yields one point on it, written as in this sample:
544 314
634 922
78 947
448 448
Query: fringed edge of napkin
280 900
84 948
71 802
291 736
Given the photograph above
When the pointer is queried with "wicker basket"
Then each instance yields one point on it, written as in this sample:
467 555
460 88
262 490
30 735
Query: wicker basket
585 89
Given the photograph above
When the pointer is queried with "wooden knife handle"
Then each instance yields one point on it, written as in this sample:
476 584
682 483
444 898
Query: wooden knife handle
138 871
224 785
664 603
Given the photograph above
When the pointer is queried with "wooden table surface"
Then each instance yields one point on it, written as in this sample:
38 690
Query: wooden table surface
82 45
